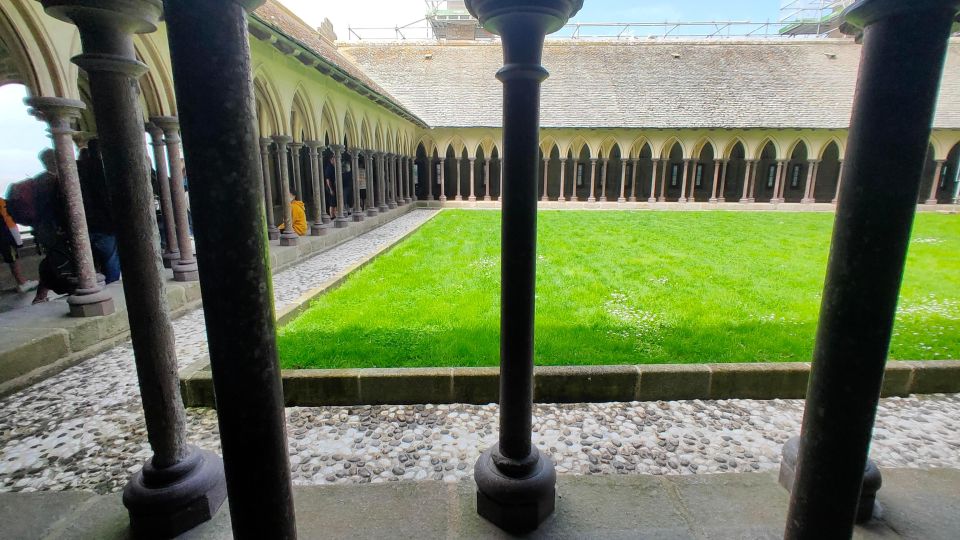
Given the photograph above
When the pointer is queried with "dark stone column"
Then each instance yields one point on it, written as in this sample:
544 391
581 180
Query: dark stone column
593 180
295 148
341 220
515 483
633 181
372 178
317 228
563 175
904 48
89 299
185 268
392 180
603 179
355 166
215 98
653 181
443 180
180 486
172 252
745 198
288 237
382 182
273 233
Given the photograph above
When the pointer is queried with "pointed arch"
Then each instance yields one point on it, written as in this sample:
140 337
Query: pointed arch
303 125
637 146
272 120
702 144
668 145
732 145
329 128
758 151
796 144
834 141
350 130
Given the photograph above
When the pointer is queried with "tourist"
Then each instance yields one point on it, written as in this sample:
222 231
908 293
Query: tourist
362 183
347 189
96 205
330 184
299 216
10 243
57 273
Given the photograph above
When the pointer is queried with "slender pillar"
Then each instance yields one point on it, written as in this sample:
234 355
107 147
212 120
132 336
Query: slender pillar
546 175
179 486
341 220
938 172
723 182
813 184
458 163
956 185
746 181
653 181
836 194
563 173
472 197
573 184
184 268
593 180
443 188
515 483
486 178
716 178
273 233
603 179
215 100
753 180
172 249
382 193
663 181
295 148
901 65
288 237
808 184
777 182
412 192
89 299
316 186
683 181
401 180
390 163
633 180
371 164
355 168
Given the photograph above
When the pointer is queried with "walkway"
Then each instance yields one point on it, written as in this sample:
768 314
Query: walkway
83 429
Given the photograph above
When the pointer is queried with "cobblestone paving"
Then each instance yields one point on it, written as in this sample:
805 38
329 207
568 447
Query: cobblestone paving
83 428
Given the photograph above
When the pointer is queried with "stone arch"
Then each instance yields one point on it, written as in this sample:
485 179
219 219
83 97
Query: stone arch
948 191
733 180
268 102
637 147
670 145
732 145
364 140
704 171
766 171
302 123
577 146
39 66
676 170
795 176
834 141
158 79
765 144
827 173
350 132
329 127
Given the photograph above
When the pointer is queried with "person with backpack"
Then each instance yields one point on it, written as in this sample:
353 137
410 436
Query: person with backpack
10 244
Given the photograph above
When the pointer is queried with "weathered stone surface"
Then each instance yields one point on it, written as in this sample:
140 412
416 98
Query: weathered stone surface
674 381
759 381
936 376
573 384
405 386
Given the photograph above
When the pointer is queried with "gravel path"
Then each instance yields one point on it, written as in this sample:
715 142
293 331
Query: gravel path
83 428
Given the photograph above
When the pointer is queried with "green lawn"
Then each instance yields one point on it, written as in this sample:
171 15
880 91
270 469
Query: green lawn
619 288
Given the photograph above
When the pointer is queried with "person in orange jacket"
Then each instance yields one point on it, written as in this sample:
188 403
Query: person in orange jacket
299 214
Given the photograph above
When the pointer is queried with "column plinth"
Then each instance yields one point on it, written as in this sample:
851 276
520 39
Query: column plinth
170 505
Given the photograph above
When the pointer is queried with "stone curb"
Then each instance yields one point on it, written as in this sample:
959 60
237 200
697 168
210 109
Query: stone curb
571 384
39 352
735 206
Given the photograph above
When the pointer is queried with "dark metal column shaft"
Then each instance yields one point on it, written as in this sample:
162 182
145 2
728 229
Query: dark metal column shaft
216 103
902 61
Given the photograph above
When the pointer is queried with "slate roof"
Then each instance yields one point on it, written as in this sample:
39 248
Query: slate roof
682 84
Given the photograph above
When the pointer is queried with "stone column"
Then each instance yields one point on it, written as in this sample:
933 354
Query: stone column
808 184
341 220
401 180
443 188
172 252
573 184
371 164
428 177
215 100
273 233
938 172
316 186
546 168
355 167
501 181
563 174
813 184
412 191
486 178
721 197
89 299
956 184
295 148
683 181
382 192
391 178
603 180
473 178
458 163
288 237
593 180
663 182
716 178
902 58
179 486
653 181
633 180
184 268
745 198
778 181
515 482
836 194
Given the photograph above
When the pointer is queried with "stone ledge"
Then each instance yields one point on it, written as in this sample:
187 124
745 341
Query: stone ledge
673 206
570 384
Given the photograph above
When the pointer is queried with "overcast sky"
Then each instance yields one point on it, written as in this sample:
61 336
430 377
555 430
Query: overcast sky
22 136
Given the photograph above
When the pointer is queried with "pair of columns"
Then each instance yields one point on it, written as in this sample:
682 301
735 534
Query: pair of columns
938 179
164 134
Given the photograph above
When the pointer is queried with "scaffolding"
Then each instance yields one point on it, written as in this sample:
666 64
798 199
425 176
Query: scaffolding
811 17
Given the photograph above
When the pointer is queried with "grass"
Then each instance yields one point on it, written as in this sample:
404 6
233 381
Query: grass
619 288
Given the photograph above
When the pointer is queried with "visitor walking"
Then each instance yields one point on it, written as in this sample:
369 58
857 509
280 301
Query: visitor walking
10 244
96 205
56 269
330 184
362 185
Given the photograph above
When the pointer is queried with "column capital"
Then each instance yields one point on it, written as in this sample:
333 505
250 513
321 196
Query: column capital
813 161
495 15
472 159
166 123
314 146
866 12
132 17
156 134
282 140
296 144
55 110
593 160
265 141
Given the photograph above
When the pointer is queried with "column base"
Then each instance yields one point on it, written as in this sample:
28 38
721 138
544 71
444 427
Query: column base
744 201
430 198
487 198
632 199
164 503
561 199
458 198
186 271
443 198
544 199
471 199
392 205
574 199
273 233
516 505
341 223
358 216
411 200
661 199
91 303
383 208
169 258
712 200
372 211
867 508
682 200
289 239
721 199
806 201
591 199
325 218
930 202
621 200
651 200
317 229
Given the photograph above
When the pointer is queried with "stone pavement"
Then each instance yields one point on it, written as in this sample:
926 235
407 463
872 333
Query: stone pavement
914 504
83 429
